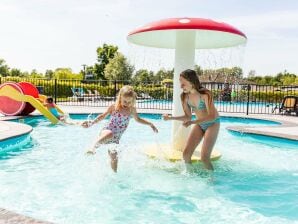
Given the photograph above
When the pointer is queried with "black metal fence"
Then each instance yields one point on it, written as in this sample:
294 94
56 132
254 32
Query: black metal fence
228 97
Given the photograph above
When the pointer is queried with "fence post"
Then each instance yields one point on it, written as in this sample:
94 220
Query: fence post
247 103
115 89
55 91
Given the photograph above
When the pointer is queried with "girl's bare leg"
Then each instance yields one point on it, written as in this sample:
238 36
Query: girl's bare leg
114 160
104 136
210 137
193 140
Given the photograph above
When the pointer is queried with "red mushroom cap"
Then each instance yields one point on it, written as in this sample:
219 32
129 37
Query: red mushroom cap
209 33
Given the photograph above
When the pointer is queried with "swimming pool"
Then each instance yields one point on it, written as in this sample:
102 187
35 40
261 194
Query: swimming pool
239 107
50 178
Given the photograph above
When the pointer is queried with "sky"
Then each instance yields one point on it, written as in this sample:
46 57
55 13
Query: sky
49 34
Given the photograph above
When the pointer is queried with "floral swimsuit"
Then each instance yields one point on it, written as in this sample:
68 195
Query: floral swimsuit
117 124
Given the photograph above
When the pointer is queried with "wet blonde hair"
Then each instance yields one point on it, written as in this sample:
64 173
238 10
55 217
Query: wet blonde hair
125 91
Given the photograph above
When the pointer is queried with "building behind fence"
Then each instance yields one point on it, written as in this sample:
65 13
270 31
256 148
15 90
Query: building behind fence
228 97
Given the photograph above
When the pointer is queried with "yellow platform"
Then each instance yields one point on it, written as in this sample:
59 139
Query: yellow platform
165 152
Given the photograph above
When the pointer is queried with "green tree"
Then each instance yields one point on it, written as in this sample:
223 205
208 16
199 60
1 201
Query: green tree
25 74
66 73
142 76
49 74
255 79
282 78
288 78
4 69
278 78
163 74
198 70
266 80
236 72
16 72
118 68
251 73
222 74
104 55
35 75
89 73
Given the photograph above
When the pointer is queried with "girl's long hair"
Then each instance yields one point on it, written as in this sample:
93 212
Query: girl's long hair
192 77
125 91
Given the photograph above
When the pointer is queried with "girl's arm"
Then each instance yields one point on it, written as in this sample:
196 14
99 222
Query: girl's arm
185 117
47 105
100 117
143 121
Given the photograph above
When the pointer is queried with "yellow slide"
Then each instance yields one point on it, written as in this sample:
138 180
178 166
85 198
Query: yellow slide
36 103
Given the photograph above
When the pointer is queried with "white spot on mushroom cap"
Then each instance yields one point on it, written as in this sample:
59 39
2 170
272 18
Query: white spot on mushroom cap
184 20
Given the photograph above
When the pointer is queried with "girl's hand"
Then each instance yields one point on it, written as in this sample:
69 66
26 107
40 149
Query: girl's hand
166 117
86 124
187 123
154 128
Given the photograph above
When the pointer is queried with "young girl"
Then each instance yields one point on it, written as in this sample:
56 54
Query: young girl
51 106
199 100
121 113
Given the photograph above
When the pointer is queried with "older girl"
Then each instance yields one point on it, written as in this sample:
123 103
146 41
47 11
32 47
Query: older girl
199 100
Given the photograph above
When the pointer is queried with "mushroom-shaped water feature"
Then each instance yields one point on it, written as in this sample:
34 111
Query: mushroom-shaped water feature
185 35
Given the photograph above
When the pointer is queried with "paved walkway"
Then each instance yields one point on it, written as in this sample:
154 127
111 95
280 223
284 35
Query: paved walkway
288 128
8 217
12 129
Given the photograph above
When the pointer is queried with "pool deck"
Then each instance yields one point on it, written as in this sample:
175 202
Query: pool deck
8 217
288 129
12 129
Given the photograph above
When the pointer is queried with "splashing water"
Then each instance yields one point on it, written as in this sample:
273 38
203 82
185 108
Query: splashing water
254 183
161 153
89 118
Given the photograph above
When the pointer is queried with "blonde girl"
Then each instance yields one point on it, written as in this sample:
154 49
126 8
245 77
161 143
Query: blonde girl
121 112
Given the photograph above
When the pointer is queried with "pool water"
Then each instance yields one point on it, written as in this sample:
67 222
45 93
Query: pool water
50 178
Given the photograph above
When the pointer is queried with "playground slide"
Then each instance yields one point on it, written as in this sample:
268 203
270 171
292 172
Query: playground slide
12 93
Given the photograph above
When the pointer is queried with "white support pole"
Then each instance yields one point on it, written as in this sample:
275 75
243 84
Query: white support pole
184 59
